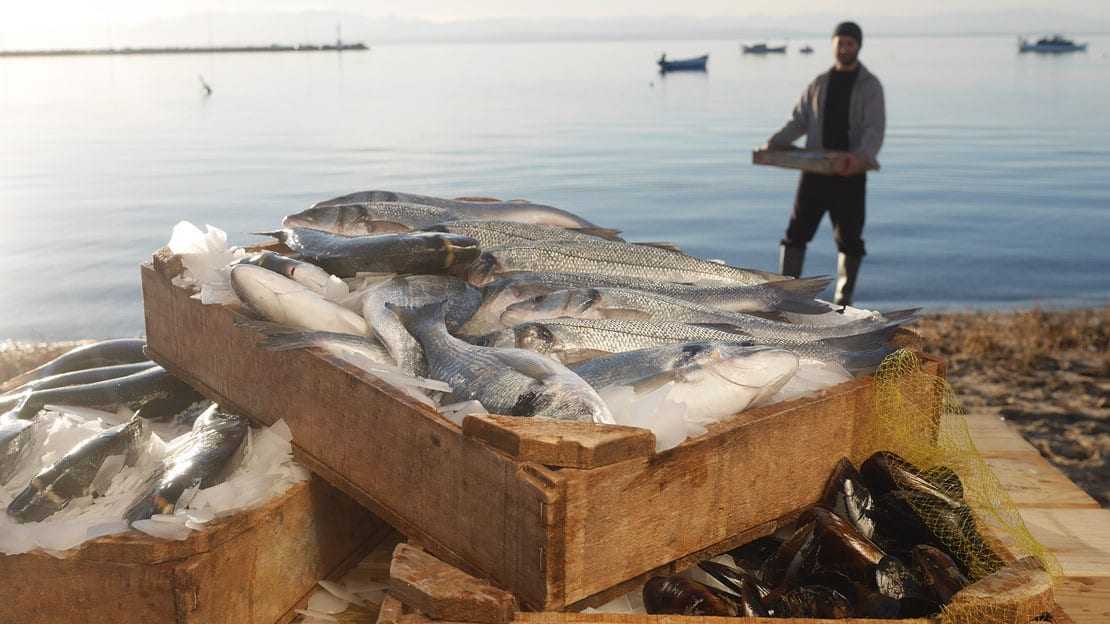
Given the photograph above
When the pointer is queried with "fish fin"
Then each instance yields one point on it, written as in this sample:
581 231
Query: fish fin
660 245
725 327
577 356
900 316
771 315
625 314
538 367
600 232
804 287
650 384
281 235
434 314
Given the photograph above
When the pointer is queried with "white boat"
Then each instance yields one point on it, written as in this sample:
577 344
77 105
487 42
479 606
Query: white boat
1052 45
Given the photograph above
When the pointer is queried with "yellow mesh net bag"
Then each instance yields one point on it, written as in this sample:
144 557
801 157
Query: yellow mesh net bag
916 415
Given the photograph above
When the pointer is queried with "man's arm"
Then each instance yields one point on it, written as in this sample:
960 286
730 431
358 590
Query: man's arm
874 128
795 127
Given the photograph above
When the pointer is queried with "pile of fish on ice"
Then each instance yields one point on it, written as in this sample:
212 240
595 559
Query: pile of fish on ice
101 440
523 309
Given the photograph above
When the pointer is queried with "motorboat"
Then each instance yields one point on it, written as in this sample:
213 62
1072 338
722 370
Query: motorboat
806 49
763 48
696 63
1054 44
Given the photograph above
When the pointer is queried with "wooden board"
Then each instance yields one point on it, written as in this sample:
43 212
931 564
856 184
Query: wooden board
567 444
251 568
809 161
1080 538
445 592
553 537
1086 599
1031 481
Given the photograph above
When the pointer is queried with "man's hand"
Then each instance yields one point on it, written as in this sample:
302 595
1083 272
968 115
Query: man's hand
848 164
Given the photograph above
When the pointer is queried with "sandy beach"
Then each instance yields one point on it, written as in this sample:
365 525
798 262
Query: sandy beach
1046 372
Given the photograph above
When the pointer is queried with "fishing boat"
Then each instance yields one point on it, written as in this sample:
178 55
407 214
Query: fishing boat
690 64
806 49
1053 45
763 48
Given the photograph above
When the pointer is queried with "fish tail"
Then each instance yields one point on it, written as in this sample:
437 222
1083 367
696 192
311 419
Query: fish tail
600 232
803 287
900 316
867 341
281 235
429 315
664 245
862 362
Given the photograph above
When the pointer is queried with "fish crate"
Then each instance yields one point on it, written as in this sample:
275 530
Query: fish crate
254 567
560 514
425 590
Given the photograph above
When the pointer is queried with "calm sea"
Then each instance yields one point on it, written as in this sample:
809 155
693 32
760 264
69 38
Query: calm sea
994 193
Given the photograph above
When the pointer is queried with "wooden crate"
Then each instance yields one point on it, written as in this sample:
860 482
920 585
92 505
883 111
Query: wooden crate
251 568
562 518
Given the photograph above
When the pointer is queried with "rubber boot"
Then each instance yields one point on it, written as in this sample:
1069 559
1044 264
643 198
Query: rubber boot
791 260
847 268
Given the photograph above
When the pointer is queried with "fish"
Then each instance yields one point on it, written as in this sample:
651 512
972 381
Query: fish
103 353
78 377
366 218
412 291
307 274
281 300
131 391
574 340
508 381
409 252
501 233
206 457
713 380
612 258
518 211
17 434
772 299
628 304
74 474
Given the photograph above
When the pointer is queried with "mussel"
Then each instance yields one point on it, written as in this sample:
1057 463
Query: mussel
939 573
895 580
885 471
750 591
794 557
840 545
751 556
847 496
811 601
681 596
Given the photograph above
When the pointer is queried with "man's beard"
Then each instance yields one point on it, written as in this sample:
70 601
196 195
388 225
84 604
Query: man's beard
847 59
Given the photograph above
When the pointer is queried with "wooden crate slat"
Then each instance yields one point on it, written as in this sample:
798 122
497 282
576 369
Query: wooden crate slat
444 592
1079 538
1031 481
568 444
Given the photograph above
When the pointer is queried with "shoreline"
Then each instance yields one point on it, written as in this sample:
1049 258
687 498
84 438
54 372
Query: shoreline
343 47
1047 372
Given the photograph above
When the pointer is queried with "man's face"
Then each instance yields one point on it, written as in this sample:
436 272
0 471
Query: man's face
846 49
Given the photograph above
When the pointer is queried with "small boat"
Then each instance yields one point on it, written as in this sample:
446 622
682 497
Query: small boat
763 48
806 49
691 64
1053 44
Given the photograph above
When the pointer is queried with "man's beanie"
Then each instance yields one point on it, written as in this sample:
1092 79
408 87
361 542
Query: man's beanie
850 29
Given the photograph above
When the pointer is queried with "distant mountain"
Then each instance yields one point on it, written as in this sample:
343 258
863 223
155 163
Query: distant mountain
320 26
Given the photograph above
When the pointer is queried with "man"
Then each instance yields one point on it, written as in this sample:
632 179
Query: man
841 110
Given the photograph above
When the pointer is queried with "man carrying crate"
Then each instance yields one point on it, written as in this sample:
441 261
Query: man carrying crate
842 110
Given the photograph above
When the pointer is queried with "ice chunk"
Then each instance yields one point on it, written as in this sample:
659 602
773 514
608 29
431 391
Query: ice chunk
205 257
456 412
281 430
340 592
324 601
163 530
313 617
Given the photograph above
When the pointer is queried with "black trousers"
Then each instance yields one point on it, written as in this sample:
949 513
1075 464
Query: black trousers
843 198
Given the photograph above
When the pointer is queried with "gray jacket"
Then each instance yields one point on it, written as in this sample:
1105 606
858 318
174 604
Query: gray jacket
866 117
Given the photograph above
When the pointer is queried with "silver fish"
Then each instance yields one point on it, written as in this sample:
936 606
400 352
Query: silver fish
376 217
501 233
413 291
712 380
131 391
209 454
576 340
771 300
88 375
513 382
316 279
610 258
280 299
412 252
637 305
17 432
72 476
519 211
104 353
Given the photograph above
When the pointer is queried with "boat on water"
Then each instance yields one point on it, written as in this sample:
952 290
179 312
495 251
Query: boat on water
763 48
806 49
1053 44
696 63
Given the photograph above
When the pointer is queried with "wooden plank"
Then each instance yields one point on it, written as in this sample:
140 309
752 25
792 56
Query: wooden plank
254 576
550 617
994 437
809 161
1018 592
1031 481
486 509
560 443
443 592
1086 599
390 611
1079 538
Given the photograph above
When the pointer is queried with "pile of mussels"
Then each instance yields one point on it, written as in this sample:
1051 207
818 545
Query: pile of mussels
865 550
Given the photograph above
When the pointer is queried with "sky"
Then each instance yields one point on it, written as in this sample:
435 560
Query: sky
74 23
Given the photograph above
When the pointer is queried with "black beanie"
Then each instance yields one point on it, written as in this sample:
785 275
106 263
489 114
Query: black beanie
850 29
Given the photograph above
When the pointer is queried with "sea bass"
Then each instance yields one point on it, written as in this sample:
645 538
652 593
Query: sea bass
519 211
104 353
206 457
713 380
309 275
281 300
502 233
88 375
414 291
769 299
508 381
363 219
610 258
73 475
637 305
413 252
17 432
131 391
